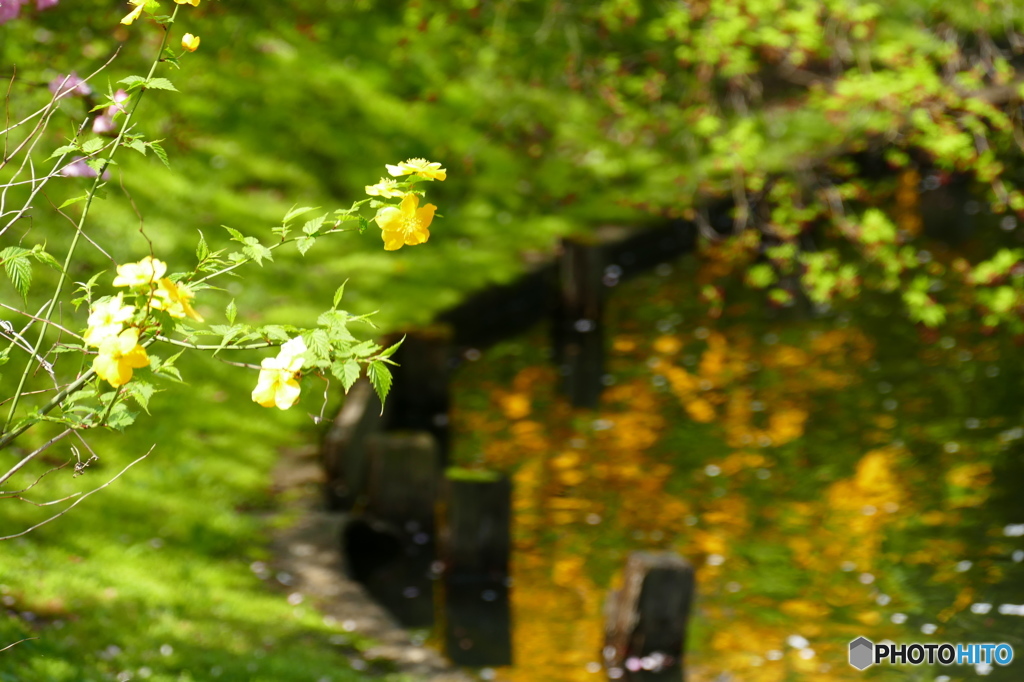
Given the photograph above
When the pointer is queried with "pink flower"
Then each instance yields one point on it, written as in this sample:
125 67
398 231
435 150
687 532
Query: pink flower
79 169
70 83
9 8
104 123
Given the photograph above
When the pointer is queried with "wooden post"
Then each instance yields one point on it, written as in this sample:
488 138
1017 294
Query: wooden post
390 548
475 543
420 394
578 326
343 451
402 481
646 621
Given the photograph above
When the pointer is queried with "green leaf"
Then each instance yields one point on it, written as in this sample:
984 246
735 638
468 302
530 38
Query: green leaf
230 312
235 234
61 151
339 293
140 392
319 344
18 267
346 372
380 377
136 144
92 146
388 352
160 84
296 212
74 200
45 258
160 153
304 244
120 418
256 251
313 226
132 82
202 249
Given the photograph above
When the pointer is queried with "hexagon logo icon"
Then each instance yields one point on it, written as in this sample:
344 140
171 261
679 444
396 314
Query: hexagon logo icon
861 653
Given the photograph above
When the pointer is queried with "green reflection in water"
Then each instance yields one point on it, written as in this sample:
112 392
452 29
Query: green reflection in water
830 478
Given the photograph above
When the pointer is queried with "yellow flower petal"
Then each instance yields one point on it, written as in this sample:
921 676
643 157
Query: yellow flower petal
405 225
420 167
146 271
190 42
194 3
118 356
135 13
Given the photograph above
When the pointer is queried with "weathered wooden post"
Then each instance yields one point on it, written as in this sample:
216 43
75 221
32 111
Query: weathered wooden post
390 547
578 326
646 621
475 544
344 447
420 394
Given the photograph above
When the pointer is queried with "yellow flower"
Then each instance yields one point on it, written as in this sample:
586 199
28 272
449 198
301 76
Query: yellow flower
277 385
135 13
406 224
420 167
118 356
190 42
146 271
107 319
194 3
385 188
175 299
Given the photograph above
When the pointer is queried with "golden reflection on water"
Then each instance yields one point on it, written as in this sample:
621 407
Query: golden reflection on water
769 463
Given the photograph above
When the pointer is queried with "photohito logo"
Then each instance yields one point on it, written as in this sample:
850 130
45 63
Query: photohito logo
864 653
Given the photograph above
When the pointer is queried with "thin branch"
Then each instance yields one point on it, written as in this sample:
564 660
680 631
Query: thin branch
16 493
29 457
17 643
78 501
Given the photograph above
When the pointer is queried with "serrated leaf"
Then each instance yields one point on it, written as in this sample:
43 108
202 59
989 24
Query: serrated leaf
132 81
235 234
319 344
92 146
99 165
296 212
136 144
61 151
313 226
141 392
18 267
120 418
230 312
380 377
74 200
339 293
304 244
346 372
160 153
160 84
256 251
388 352
45 258
202 249
363 224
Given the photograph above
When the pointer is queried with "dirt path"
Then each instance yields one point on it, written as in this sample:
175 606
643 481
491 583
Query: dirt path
308 551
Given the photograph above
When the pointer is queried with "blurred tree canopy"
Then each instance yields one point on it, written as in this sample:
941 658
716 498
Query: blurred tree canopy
822 147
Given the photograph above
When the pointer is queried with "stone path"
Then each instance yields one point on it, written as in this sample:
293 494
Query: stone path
308 551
